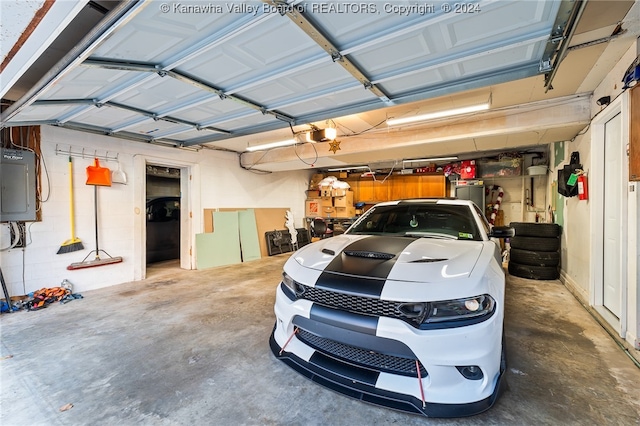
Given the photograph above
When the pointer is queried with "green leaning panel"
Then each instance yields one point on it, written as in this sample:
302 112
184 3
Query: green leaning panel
249 242
222 246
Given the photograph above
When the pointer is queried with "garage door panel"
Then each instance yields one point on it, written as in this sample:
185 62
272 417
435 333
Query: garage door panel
242 121
157 94
43 112
500 21
215 107
88 83
153 128
346 98
155 36
253 54
106 116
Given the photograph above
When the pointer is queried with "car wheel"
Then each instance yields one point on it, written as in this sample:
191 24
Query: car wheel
535 243
528 229
534 258
533 272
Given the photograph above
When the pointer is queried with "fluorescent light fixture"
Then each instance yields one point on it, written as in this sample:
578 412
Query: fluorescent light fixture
348 168
272 145
420 160
439 114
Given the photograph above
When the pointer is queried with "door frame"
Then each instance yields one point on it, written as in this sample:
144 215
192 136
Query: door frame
620 105
189 185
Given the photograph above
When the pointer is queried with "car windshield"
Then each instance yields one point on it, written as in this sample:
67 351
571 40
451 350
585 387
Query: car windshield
446 221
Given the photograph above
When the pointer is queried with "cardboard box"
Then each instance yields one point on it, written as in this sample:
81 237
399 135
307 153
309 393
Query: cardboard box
468 169
313 207
325 191
345 212
326 202
344 201
328 212
340 192
315 180
504 167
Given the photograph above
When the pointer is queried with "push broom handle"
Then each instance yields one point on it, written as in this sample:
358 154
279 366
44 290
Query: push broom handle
73 230
95 207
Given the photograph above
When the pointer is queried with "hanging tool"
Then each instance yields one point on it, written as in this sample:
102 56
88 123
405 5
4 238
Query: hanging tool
118 176
96 176
73 244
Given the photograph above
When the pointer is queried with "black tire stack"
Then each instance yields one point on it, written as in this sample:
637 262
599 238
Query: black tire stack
535 251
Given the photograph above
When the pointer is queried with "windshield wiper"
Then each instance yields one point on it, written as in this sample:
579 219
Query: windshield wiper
430 235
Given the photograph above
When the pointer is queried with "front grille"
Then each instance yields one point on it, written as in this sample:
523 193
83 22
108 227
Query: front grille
357 304
361 357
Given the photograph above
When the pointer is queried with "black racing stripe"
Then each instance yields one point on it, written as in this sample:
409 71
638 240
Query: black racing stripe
356 286
369 267
344 320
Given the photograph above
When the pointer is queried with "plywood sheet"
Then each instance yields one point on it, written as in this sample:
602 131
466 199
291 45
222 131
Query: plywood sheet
249 244
221 247
267 219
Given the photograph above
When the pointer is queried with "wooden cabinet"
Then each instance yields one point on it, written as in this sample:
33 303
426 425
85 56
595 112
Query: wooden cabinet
433 186
397 187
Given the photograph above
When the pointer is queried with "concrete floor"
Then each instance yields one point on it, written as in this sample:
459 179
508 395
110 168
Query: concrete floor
191 348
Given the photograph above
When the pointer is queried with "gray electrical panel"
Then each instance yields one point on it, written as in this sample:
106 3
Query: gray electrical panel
18 194
474 193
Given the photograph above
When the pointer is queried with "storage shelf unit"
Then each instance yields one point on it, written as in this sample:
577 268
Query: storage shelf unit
397 187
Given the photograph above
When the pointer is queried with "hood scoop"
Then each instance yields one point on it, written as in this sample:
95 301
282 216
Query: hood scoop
428 260
369 254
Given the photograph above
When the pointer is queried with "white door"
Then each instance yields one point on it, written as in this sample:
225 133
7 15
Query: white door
613 164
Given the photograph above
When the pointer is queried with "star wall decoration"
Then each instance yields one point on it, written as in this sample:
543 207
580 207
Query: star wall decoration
334 146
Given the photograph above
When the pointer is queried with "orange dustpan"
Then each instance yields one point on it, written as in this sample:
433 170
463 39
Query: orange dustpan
96 175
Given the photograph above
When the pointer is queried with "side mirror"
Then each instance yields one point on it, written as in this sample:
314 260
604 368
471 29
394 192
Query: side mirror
502 232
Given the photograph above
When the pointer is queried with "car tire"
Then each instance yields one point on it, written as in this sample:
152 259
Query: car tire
533 272
534 258
528 229
535 243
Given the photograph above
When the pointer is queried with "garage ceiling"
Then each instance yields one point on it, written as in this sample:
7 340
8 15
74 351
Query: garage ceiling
227 75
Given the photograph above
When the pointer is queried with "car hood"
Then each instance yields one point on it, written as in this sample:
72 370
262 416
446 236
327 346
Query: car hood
393 258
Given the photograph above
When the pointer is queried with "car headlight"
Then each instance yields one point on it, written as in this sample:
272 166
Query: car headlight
291 288
461 309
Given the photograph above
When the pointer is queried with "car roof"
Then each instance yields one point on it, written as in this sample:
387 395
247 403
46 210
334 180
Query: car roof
448 201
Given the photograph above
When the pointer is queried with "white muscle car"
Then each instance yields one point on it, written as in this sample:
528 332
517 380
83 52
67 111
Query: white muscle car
404 310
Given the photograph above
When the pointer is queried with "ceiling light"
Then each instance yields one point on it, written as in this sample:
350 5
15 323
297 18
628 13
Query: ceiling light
420 160
272 145
438 114
322 135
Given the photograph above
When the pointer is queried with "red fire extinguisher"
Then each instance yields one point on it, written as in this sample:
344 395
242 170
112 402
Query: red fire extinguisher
583 187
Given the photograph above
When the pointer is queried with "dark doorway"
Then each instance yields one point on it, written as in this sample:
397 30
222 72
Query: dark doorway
162 213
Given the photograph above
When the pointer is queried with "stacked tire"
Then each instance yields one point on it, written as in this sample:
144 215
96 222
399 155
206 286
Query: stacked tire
535 251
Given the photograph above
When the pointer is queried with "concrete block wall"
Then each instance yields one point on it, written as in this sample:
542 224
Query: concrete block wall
218 181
